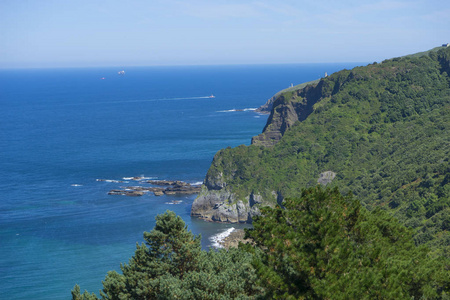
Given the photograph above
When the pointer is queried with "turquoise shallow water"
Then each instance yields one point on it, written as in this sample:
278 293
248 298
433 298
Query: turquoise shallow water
61 129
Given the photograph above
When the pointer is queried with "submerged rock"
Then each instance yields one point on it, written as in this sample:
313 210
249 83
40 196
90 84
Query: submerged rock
126 193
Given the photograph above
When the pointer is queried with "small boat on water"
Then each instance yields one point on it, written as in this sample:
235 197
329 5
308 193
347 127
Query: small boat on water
212 96
121 72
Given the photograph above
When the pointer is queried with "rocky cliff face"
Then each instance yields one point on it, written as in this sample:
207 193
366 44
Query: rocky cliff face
223 206
287 109
266 108
217 202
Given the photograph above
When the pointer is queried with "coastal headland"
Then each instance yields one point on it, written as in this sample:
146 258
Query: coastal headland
378 131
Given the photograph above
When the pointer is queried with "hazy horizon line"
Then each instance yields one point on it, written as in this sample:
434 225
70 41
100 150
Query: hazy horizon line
176 65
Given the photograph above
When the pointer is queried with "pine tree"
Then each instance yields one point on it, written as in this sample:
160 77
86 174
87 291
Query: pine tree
324 245
171 265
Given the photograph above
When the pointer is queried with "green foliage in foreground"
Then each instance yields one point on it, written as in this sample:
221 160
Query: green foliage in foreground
321 246
171 265
326 246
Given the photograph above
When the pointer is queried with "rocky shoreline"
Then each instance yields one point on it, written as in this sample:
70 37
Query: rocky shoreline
158 187
233 239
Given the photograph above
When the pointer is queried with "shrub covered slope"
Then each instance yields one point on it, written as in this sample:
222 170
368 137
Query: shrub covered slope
383 129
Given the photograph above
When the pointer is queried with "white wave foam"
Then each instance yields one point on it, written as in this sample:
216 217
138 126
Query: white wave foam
174 202
197 183
234 110
109 180
224 111
217 238
138 178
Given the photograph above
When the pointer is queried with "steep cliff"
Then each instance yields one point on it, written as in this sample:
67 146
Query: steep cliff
266 108
288 108
380 131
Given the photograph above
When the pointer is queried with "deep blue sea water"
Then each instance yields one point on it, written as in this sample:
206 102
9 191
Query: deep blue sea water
62 129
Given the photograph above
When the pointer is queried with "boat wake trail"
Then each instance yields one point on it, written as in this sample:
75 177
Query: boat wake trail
157 99
140 100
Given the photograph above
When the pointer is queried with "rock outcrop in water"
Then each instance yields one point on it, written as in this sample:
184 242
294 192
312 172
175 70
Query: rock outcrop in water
170 187
223 206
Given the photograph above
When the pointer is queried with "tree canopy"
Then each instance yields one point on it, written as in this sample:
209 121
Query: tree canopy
327 246
321 245
172 265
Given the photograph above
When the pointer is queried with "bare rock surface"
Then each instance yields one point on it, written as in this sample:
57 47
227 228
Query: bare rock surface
326 177
232 241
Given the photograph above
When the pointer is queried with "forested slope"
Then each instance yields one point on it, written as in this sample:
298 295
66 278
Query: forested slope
383 129
380 135
319 246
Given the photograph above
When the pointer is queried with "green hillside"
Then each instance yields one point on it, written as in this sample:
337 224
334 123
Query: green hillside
383 129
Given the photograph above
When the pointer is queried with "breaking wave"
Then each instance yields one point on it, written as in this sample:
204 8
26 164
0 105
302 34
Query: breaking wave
217 238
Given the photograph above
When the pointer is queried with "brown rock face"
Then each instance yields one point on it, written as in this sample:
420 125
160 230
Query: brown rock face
288 108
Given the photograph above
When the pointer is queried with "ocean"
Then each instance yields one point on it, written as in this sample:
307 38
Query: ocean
61 130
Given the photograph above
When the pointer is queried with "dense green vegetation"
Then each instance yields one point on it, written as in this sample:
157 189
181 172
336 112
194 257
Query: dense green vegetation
326 246
383 128
319 246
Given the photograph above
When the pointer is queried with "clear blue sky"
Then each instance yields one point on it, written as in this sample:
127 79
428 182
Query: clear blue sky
64 33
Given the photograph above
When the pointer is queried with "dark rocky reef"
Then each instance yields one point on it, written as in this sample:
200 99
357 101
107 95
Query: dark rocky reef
171 187
131 193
